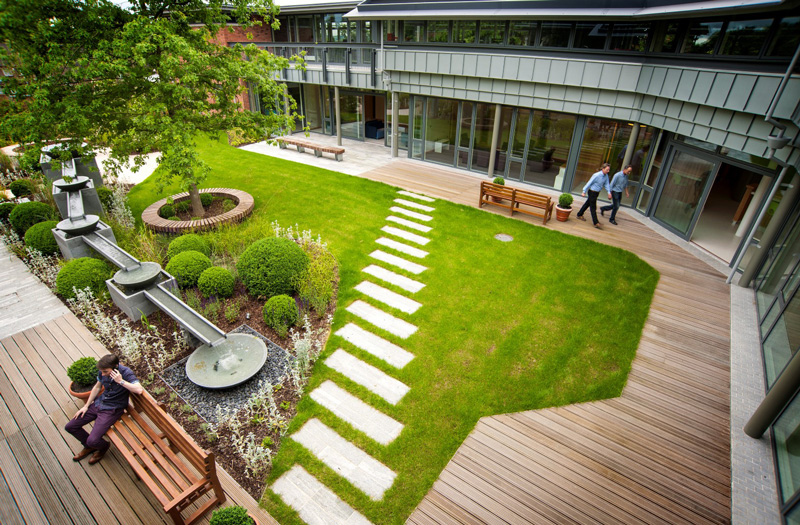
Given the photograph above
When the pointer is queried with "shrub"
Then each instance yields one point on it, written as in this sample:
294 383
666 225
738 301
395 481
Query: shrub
39 237
22 187
281 312
83 371
173 218
317 283
182 206
25 215
81 273
5 209
166 211
565 201
228 205
235 515
206 199
271 266
106 197
184 243
499 180
187 266
216 281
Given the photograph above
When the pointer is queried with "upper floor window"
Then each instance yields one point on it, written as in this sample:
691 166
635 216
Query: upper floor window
630 37
555 34
590 36
786 38
702 38
745 37
667 38
492 32
438 31
521 33
413 31
464 31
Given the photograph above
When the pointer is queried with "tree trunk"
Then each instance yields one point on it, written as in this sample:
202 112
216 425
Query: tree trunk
197 206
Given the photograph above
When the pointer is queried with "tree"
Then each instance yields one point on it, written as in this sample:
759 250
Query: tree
145 77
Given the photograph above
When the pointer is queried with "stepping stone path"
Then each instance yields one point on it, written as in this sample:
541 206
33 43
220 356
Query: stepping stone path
313 501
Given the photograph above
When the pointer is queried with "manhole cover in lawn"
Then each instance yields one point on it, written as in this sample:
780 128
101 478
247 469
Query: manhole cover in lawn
504 237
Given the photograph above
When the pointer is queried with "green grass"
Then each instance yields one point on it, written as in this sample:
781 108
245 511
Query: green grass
545 320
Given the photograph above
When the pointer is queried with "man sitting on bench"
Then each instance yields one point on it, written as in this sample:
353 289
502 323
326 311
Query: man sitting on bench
105 409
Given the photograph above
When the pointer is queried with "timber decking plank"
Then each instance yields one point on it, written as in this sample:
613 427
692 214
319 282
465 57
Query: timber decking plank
18 383
26 500
9 512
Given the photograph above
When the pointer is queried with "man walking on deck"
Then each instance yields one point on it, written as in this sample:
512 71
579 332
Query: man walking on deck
618 184
597 182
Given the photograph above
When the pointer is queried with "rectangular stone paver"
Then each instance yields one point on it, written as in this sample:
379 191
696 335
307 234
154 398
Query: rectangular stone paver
375 345
368 376
412 214
356 466
414 205
416 196
372 422
313 501
413 237
398 261
395 300
381 319
409 224
401 281
402 248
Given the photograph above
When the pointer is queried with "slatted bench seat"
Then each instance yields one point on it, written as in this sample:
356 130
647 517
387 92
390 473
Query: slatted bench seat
497 195
150 441
318 149
541 204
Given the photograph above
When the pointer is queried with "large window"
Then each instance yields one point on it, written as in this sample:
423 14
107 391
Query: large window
590 36
548 148
745 37
787 449
555 34
702 38
492 32
521 33
603 141
482 138
438 31
441 126
630 37
413 31
786 38
464 31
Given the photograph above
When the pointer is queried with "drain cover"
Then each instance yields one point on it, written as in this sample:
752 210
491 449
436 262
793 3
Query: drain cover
503 237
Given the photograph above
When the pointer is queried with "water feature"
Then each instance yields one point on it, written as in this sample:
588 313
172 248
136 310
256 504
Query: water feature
230 364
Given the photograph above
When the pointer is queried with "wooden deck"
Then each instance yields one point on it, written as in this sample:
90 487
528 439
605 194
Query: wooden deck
660 453
39 482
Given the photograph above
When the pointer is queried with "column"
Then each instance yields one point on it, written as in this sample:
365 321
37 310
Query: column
338 116
395 123
498 109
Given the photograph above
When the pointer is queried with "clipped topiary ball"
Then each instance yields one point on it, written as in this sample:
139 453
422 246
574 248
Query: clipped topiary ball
206 199
22 187
25 215
187 266
216 281
39 237
167 211
5 209
234 515
83 371
281 312
81 273
184 243
271 266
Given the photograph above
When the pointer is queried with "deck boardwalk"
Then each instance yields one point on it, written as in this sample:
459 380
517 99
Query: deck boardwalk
660 453
39 482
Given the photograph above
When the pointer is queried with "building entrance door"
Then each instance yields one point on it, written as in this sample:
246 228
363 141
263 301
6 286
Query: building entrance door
683 190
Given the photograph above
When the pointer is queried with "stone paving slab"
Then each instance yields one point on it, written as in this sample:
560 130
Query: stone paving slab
412 214
366 375
373 423
413 237
375 345
402 248
416 196
315 503
414 205
356 466
401 281
398 261
409 224
381 319
388 297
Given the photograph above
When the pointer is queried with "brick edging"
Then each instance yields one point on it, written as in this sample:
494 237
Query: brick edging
244 207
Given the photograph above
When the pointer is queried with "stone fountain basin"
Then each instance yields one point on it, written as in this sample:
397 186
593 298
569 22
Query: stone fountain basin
142 277
228 364
77 183
80 226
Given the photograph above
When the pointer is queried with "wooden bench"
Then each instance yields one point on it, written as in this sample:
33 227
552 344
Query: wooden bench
303 144
150 440
542 204
511 198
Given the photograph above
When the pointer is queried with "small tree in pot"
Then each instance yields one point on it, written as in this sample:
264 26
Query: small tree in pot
235 515
564 207
83 374
502 182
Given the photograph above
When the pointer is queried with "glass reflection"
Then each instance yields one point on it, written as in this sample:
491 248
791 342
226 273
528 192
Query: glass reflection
548 148
441 126
683 188
482 137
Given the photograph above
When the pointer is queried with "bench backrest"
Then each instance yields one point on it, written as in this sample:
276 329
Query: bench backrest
496 190
532 198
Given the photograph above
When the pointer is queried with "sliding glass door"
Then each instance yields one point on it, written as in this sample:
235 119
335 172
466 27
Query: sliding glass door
683 190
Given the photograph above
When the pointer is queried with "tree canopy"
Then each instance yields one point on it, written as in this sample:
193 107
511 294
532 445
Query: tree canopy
146 76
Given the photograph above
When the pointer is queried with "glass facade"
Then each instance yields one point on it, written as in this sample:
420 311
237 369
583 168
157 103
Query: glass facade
682 190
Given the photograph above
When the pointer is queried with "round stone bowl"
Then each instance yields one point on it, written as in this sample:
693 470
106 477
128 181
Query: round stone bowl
80 226
77 183
142 277
228 364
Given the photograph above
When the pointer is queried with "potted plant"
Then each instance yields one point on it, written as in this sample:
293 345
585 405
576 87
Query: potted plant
502 182
235 515
83 374
564 207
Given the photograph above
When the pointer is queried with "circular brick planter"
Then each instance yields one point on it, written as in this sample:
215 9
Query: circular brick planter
244 207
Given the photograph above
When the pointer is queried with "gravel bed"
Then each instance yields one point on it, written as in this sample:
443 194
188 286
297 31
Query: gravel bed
205 401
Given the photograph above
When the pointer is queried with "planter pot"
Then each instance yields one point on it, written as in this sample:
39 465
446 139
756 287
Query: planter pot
255 521
562 214
79 394
497 199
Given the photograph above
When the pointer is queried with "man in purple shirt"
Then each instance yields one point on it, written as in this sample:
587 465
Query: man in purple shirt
104 409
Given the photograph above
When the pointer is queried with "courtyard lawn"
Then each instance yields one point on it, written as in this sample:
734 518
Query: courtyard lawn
545 320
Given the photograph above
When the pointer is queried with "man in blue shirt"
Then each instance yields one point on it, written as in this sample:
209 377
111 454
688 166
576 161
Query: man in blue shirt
597 182
618 183
104 409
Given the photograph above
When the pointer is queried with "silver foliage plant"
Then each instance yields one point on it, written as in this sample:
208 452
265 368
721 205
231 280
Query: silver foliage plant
307 344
